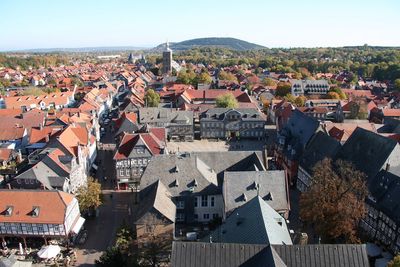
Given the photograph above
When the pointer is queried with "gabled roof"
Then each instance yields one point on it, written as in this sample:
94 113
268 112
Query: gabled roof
154 140
253 223
10 134
52 205
156 198
326 255
320 147
269 185
368 151
203 254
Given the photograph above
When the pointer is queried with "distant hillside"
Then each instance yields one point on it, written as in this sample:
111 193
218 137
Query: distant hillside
230 43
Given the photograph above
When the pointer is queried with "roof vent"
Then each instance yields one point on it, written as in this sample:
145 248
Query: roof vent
268 196
195 182
176 183
244 198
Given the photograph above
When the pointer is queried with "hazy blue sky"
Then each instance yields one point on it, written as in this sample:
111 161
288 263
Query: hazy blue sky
283 23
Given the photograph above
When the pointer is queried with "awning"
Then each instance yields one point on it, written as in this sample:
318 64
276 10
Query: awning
78 225
94 166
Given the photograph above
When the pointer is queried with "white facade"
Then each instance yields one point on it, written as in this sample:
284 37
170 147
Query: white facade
207 207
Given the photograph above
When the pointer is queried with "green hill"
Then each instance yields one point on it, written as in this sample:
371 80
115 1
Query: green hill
226 42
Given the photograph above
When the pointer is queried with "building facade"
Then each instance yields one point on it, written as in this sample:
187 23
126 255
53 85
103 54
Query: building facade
232 123
41 214
167 60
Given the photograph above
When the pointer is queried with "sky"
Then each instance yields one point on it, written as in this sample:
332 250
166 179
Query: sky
27 24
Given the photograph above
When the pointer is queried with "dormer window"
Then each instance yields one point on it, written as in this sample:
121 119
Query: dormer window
35 211
8 211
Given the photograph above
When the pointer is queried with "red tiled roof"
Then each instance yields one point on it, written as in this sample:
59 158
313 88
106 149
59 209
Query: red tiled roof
391 112
5 154
52 205
154 140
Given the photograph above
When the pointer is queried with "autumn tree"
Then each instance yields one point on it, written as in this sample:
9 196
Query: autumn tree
268 82
300 101
395 262
335 203
151 98
227 101
290 98
283 89
332 95
223 75
204 77
339 91
89 196
397 84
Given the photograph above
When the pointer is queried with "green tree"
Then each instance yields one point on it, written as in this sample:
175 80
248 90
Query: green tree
151 98
89 196
335 202
397 84
227 101
112 257
186 76
395 262
283 89
339 91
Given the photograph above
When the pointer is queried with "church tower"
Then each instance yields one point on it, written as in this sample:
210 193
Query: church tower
167 60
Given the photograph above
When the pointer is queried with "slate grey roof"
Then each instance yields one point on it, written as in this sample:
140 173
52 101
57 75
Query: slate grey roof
368 151
269 185
182 174
321 146
156 199
346 255
385 189
127 126
252 223
300 127
218 114
165 115
198 254
232 160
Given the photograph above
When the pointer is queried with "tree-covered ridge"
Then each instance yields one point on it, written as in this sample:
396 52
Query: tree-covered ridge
226 42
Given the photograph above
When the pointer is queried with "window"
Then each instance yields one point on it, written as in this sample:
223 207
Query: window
56 228
121 172
215 215
127 172
180 204
204 201
40 228
29 228
149 228
212 201
206 216
195 202
180 217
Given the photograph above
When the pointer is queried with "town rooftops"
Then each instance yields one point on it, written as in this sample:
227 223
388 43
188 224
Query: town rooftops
165 115
18 206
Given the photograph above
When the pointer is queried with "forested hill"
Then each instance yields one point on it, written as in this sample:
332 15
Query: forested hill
226 42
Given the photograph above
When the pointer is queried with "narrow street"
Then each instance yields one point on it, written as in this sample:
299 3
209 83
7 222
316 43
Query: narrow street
114 211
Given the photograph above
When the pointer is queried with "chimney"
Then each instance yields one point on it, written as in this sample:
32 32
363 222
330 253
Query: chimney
204 96
387 167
